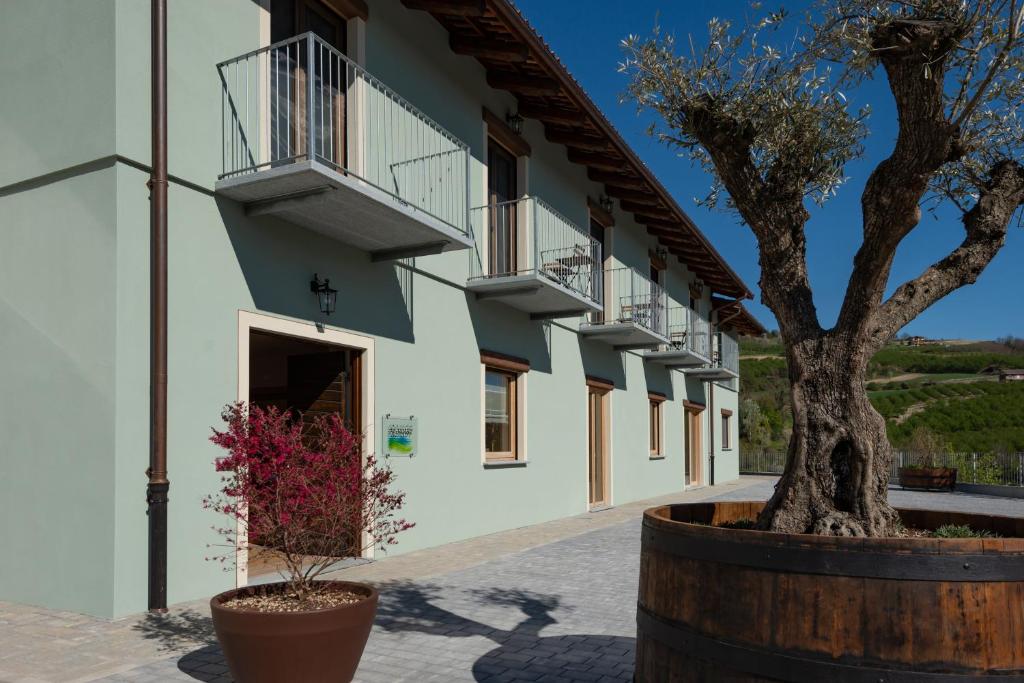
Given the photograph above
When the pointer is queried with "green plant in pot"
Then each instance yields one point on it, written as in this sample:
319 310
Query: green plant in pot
925 470
303 490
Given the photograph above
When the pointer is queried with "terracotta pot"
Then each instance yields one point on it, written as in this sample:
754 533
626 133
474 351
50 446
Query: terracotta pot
722 604
314 646
928 477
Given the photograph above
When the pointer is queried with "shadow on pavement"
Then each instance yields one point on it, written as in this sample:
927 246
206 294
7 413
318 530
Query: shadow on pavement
413 607
521 649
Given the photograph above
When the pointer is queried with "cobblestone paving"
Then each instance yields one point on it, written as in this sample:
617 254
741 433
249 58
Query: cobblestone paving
560 611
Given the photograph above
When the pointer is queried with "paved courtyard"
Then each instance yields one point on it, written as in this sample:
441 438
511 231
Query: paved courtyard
554 602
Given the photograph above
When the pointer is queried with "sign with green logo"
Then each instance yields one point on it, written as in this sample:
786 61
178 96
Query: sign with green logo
399 436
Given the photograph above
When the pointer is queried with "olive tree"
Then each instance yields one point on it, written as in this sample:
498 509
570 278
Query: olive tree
767 109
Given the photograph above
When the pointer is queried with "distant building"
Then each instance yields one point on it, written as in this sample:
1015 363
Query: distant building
1011 375
917 341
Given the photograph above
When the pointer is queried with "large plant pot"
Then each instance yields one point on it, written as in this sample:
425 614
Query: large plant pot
313 647
928 478
739 605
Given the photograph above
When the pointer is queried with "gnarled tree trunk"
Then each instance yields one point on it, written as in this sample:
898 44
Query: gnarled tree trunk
837 470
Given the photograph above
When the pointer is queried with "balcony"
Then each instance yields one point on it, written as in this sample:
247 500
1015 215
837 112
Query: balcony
725 361
311 137
688 340
532 258
634 312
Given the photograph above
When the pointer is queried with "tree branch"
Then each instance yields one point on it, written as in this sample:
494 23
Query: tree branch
913 54
986 225
773 209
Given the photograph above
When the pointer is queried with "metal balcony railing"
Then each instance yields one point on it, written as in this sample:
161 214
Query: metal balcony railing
631 296
727 353
526 237
300 99
688 331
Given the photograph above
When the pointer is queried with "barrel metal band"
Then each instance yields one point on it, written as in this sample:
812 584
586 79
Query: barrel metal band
873 565
782 666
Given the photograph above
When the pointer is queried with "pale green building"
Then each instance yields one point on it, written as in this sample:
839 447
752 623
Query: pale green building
509 275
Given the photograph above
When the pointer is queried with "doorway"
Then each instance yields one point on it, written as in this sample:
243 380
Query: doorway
502 235
331 371
693 468
289 85
309 378
597 447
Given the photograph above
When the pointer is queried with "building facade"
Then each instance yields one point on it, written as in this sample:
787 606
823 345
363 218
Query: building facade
511 282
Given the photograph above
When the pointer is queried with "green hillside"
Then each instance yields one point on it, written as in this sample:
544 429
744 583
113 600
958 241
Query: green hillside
939 386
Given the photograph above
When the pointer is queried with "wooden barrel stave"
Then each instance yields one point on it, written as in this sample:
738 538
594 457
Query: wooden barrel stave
897 626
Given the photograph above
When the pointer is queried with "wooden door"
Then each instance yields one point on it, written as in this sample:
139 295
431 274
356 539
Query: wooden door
597 447
501 191
327 383
290 18
693 468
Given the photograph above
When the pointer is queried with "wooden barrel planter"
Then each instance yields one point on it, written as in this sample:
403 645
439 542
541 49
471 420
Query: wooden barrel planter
722 604
928 478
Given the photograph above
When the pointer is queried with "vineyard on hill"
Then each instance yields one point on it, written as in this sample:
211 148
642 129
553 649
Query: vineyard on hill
950 389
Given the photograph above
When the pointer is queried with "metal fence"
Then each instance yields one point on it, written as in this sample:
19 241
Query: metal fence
687 330
727 352
526 236
1006 469
300 99
631 296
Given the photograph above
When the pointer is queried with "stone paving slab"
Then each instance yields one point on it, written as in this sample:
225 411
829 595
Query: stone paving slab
554 605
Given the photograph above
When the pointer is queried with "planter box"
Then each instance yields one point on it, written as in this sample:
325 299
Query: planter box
928 478
719 604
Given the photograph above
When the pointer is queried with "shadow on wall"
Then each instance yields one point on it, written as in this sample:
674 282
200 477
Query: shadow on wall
503 329
659 379
278 259
601 360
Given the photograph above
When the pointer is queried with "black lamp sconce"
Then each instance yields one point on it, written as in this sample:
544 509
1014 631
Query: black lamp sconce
515 121
327 296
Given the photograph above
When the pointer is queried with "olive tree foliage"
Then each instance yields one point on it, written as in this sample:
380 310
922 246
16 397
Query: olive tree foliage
767 109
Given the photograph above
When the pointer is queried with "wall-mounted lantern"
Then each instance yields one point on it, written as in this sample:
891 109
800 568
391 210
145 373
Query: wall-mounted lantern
515 122
606 203
698 286
327 296
661 253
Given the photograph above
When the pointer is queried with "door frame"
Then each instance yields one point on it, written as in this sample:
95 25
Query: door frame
693 443
248 321
604 390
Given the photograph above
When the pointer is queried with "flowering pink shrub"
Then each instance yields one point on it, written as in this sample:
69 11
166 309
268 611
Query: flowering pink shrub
303 490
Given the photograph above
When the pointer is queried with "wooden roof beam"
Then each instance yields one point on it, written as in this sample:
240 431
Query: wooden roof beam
628 194
495 51
601 176
550 114
596 159
576 140
457 8
652 209
522 85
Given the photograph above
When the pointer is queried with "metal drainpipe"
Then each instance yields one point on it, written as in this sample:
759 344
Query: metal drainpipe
156 489
711 404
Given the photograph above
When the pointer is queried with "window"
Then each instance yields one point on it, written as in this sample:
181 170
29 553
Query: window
502 406
500 414
654 427
726 429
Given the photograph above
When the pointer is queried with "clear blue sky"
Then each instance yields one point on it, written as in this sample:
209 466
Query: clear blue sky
586 35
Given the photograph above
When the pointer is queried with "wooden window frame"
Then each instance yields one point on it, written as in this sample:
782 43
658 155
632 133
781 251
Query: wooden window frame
514 368
502 133
726 430
513 418
656 425
598 213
